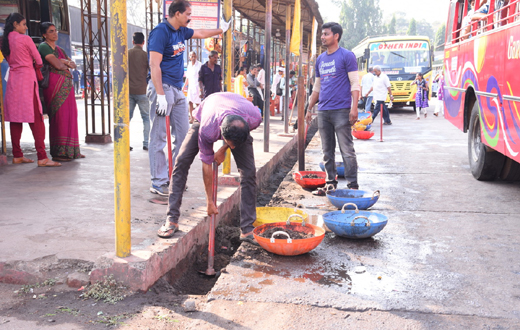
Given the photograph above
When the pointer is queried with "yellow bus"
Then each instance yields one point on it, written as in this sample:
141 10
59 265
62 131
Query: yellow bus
400 58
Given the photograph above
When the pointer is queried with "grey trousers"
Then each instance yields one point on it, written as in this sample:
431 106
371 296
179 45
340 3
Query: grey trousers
179 124
245 159
332 124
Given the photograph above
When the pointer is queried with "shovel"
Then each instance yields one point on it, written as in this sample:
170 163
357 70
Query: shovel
210 271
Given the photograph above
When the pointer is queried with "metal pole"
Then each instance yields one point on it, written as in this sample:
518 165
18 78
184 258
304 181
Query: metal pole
267 68
228 56
301 109
119 55
287 70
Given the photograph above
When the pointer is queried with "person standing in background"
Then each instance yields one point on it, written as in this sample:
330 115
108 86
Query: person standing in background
337 88
192 81
366 85
22 99
276 91
261 79
75 78
137 73
381 88
440 96
241 83
210 76
253 85
421 98
166 54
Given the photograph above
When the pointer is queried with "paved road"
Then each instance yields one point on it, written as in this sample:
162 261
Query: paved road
448 258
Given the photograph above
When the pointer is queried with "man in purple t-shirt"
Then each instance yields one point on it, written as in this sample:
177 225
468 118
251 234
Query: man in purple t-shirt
221 116
337 88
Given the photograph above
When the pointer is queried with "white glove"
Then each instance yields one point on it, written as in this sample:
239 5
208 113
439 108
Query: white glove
162 105
225 25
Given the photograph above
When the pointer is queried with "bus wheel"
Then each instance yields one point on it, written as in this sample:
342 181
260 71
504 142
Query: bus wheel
485 164
510 171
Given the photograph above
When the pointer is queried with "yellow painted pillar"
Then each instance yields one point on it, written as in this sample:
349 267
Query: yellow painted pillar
119 56
228 56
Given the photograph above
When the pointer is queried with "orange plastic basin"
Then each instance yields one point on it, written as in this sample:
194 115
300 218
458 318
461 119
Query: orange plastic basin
362 135
307 183
297 246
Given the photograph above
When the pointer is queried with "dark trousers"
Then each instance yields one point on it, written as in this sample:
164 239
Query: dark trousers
332 125
245 159
386 113
38 131
257 99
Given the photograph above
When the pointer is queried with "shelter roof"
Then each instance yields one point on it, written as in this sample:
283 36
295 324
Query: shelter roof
254 10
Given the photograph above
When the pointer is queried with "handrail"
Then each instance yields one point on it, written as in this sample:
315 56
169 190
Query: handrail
489 18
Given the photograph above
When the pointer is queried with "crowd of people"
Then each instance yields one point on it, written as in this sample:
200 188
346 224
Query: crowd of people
158 85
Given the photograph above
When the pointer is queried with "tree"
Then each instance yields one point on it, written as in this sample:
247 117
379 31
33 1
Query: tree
391 26
412 28
424 28
359 19
439 37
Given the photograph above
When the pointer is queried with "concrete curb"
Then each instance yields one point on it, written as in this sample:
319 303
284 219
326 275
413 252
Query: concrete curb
144 267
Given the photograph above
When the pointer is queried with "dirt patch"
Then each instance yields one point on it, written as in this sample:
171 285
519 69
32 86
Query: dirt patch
292 233
311 176
227 241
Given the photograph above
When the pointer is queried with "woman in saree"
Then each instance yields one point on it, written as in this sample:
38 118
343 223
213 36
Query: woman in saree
59 97
22 100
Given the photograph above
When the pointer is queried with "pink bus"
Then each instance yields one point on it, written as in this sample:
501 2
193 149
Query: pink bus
482 83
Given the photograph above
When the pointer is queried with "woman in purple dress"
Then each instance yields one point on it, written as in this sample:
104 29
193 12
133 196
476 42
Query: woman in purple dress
421 98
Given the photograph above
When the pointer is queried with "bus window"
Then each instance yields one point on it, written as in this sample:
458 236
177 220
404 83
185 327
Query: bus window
517 12
7 7
59 15
33 17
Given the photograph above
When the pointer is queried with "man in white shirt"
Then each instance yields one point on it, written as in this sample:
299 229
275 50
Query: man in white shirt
381 88
192 78
276 91
261 79
366 84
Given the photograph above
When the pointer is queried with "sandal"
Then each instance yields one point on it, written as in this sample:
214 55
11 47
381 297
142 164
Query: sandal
48 163
167 232
249 239
81 156
323 191
22 160
436 114
61 159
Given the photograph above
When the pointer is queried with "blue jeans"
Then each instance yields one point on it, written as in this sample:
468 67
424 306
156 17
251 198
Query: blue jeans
334 124
144 108
386 113
368 103
179 124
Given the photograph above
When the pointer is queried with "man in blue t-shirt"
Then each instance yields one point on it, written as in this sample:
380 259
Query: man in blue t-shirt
166 54
337 88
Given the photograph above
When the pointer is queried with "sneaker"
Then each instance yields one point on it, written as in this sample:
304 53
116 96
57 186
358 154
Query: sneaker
145 148
390 123
353 185
161 191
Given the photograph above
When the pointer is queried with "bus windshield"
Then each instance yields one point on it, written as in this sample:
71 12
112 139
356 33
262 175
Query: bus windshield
401 57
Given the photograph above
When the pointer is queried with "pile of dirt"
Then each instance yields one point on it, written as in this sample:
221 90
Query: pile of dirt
292 233
311 176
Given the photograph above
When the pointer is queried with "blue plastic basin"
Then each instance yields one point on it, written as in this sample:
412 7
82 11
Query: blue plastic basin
355 225
340 168
362 198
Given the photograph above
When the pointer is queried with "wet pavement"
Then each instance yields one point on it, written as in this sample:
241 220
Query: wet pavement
448 257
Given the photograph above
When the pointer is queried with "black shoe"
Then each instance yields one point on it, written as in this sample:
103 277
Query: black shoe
145 148
353 185
390 123
131 148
